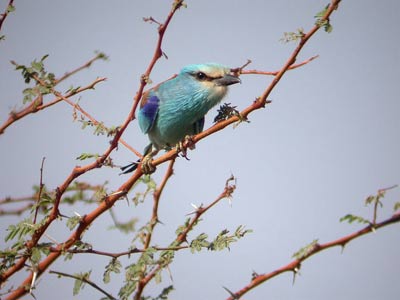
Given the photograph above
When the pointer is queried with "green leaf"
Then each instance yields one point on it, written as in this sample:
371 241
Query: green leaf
292 36
84 156
35 255
183 227
125 227
321 22
79 282
352 218
73 221
306 250
114 266
199 242
10 8
23 228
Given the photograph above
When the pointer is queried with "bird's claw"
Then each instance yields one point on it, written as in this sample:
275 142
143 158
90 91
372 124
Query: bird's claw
147 165
182 146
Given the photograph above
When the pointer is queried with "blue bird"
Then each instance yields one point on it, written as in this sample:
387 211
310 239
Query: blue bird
176 108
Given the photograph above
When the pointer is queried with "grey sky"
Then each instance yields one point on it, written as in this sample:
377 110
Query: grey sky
329 139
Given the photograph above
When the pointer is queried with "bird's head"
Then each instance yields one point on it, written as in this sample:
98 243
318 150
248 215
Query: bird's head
211 77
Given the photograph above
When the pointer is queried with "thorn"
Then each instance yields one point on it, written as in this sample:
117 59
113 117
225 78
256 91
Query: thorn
254 275
34 276
233 295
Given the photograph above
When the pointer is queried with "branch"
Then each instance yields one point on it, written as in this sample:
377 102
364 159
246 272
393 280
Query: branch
261 101
153 221
108 201
182 237
37 104
83 279
4 15
39 196
294 266
274 73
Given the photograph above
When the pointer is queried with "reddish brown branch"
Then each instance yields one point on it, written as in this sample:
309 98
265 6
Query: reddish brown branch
39 195
294 266
76 172
182 237
261 101
85 280
274 73
4 15
37 104
153 221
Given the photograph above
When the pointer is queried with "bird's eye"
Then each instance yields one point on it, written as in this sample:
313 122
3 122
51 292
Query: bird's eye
201 76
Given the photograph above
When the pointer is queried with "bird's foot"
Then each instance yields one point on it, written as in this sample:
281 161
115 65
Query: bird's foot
147 164
187 143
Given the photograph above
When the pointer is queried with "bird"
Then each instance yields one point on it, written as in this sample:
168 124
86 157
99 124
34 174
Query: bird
176 108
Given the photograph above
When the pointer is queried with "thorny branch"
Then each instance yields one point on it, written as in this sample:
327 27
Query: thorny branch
85 280
108 201
295 265
230 187
261 101
37 103
4 15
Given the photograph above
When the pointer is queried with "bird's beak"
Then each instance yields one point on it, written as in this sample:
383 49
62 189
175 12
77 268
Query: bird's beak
228 79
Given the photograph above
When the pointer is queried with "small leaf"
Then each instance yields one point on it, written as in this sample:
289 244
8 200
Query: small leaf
73 221
10 8
352 218
84 156
114 266
79 282
35 255
306 250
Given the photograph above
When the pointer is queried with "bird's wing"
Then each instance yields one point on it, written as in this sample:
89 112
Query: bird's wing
148 112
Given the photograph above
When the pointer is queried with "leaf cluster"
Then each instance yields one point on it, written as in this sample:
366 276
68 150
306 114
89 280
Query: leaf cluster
45 81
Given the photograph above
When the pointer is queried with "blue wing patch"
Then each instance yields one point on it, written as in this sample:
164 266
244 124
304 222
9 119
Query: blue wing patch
148 112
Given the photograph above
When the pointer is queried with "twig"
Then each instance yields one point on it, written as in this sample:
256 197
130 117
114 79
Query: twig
84 66
76 172
83 279
182 237
261 101
274 73
116 254
153 221
294 266
41 185
4 15
37 104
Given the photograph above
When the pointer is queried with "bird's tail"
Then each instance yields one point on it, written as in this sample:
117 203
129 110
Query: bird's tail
133 166
129 168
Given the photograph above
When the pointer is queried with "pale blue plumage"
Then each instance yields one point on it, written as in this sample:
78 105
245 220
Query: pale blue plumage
176 108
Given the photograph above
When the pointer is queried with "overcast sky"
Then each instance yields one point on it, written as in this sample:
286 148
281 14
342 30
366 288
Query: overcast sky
329 139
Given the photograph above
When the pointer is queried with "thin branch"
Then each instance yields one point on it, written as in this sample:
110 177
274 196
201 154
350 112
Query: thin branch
4 15
261 101
116 254
182 237
91 283
108 201
295 265
274 73
41 185
37 104
86 65
153 222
